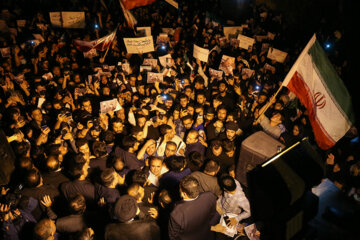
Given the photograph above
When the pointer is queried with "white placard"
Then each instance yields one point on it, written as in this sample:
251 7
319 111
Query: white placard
147 30
215 73
277 55
247 72
139 45
109 105
150 62
227 64
169 31
173 3
232 32
245 42
166 60
201 53
73 19
154 77
55 19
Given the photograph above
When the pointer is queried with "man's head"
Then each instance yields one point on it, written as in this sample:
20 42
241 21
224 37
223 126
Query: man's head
231 128
177 163
170 149
184 100
216 147
137 133
126 208
155 166
221 113
130 144
211 167
192 137
187 121
33 178
136 191
117 126
37 115
189 188
227 184
45 230
83 146
109 177
277 117
99 149
86 105
229 147
77 204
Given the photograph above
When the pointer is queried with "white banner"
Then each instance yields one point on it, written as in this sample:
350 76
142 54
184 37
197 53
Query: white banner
245 42
277 55
139 45
154 77
201 53
147 30
150 62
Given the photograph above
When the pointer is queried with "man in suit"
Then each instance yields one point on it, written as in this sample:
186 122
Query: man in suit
192 218
128 228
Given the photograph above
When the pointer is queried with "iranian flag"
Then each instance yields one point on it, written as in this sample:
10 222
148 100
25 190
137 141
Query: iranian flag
99 44
315 82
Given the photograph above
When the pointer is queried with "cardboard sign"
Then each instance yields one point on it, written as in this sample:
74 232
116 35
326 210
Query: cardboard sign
201 53
277 55
246 42
227 64
147 30
150 62
232 32
154 77
163 38
166 60
67 19
55 19
139 45
110 105
215 73
247 72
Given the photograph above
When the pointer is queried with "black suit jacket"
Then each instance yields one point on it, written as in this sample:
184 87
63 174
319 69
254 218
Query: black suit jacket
135 230
191 220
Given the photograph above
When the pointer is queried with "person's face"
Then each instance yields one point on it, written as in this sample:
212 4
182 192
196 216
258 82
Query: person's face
278 106
188 92
56 71
230 134
139 136
296 130
87 106
84 149
190 110
200 99
132 81
118 165
183 102
136 146
37 115
199 86
188 123
176 114
141 122
216 151
276 118
155 167
221 114
170 150
150 150
77 78
191 138
106 91
118 127
168 103
262 99
222 88
209 116
170 133
121 114
95 133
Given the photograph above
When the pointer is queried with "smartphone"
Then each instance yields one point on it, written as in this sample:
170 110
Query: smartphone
43 127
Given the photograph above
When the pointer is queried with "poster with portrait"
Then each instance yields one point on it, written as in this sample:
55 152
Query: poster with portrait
154 77
215 73
227 64
150 62
109 105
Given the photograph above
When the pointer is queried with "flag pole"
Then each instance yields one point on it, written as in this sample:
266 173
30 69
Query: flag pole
103 58
268 105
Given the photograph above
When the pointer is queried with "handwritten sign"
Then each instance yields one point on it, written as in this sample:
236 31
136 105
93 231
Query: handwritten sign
55 19
147 30
173 3
150 62
232 32
139 45
247 72
154 77
246 42
73 19
227 64
215 73
201 53
166 60
162 38
277 55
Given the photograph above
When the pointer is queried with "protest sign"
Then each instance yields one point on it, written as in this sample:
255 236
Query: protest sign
139 45
90 54
215 73
21 23
269 67
166 60
126 68
150 62
173 3
232 32
154 77
55 19
169 31
247 72
145 68
245 42
235 42
48 76
227 64
5 52
277 55
162 38
67 19
109 105
201 53
147 30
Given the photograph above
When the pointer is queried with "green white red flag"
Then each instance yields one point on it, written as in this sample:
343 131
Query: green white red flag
100 44
319 88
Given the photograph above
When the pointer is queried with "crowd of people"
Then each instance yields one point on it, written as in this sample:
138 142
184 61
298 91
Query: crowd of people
161 164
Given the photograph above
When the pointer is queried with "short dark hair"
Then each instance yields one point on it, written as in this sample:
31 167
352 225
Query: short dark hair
211 166
190 186
77 204
107 176
163 128
128 142
99 148
32 178
80 142
228 145
42 230
227 183
176 163
108 136
216 143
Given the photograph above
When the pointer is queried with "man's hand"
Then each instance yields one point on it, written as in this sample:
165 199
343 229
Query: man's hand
330 159
231 223
153 213
218 228
46 201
